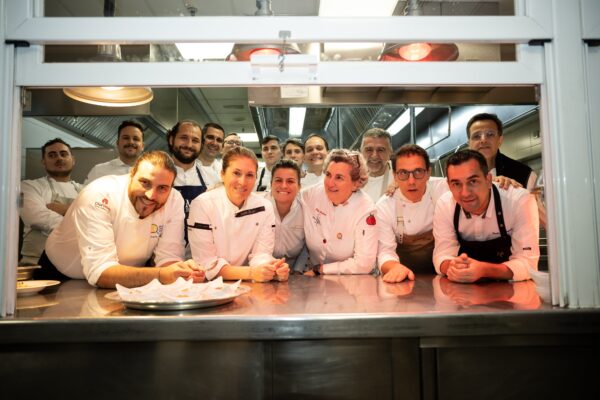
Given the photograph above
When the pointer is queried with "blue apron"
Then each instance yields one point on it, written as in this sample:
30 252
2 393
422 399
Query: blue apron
189 193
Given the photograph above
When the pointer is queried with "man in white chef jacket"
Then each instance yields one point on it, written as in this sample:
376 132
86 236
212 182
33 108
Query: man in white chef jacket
130 144
376 148
480 231
117 223
271 153
406 218
213 137
47 199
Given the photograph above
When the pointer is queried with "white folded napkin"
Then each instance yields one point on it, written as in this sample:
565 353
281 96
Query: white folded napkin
180 290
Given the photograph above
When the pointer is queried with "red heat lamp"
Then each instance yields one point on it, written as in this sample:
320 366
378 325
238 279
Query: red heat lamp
420 52
242 52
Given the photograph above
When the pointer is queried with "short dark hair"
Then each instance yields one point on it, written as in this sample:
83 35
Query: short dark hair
171 133
214 126
268 138
463 156
484 117
293 142
238 152
158 158
286 164
312 135
125 124
410 150
54 141
230 134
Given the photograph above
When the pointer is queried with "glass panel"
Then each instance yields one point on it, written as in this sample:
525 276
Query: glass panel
206 52
146 8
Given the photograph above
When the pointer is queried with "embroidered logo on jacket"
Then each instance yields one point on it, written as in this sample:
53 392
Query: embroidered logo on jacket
371 220
102 205
156 231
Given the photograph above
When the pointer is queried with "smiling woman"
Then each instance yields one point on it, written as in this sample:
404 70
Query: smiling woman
220 216
339 218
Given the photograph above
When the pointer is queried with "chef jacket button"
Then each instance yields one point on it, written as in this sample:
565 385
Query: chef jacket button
324 241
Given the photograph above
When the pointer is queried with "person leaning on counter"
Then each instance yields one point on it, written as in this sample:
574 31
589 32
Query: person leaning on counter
118 222
231 228
480 231
405 219
339 218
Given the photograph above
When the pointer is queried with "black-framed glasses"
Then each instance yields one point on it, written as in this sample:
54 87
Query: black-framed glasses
404 174
233 142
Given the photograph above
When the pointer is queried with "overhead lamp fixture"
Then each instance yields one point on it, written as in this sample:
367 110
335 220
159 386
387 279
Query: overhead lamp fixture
356 8
296 121
243 52
419 51
110 96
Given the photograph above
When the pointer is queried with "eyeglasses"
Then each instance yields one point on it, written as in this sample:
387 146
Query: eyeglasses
475 137
404 174
233 142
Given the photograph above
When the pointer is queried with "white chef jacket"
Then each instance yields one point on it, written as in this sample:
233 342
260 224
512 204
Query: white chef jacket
377 185
520 219
222 234
36 216
190 177
342 238
102 229
112 167
418 217
289 232
311 179
211 177
265 181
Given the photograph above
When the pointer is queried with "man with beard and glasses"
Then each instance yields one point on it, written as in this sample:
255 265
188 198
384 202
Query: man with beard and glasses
212 145
130 144
47 199
184 141
376 148
119 224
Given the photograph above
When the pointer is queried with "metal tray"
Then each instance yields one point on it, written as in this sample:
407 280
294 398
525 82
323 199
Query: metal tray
177 305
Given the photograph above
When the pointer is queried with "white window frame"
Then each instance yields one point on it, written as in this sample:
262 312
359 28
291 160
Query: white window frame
566 106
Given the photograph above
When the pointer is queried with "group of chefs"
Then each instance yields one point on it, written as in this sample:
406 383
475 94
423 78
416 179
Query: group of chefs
207 210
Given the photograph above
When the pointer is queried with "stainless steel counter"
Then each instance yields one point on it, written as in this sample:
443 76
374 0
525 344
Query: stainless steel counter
334 337
303 308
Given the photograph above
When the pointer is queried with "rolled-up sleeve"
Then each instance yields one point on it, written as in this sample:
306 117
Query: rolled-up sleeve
386 249
446 243
524 238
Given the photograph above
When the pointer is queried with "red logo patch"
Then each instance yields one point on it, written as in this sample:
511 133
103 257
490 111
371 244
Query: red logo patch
371 220
105 201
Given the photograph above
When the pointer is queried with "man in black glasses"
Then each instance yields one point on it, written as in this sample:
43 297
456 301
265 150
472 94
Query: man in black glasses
484 132
405 220
480 231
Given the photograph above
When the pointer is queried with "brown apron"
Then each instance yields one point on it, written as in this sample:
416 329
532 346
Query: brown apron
414 251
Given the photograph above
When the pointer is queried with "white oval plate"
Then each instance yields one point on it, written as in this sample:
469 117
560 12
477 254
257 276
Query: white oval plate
178 305
29 288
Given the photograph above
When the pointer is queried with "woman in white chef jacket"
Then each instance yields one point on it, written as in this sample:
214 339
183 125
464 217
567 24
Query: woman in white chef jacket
231 229
339 218
289 227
